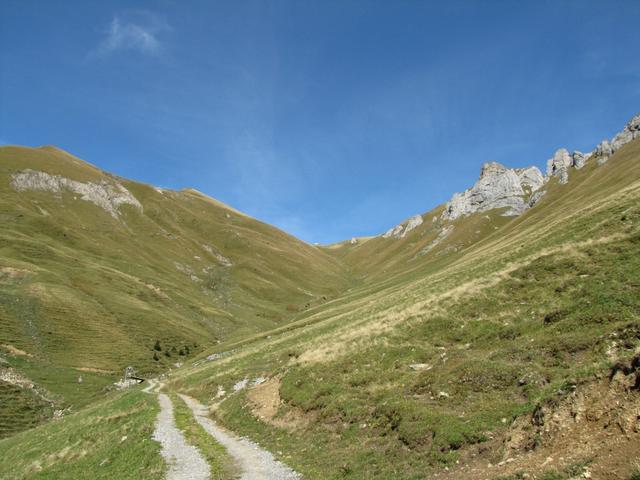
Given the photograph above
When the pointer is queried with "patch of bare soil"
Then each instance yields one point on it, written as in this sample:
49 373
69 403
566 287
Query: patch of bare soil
265 403
15 351
596 427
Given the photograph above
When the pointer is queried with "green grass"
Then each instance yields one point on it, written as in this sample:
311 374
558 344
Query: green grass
222 467
542 302
80 289
508 314
111 439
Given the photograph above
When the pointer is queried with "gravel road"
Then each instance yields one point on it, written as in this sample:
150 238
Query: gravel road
254 462
183 460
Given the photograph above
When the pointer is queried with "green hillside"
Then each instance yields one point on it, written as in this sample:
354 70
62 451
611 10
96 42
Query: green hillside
436 360
85 292
459 345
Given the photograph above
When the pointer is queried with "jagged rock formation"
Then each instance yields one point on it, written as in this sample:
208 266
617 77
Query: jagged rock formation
579 159
561 162
106 195
400 231
630 131
530 177
498 187
603 152
559 165
520 189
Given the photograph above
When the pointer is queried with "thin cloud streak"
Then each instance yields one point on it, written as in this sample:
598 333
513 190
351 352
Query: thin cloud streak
129 35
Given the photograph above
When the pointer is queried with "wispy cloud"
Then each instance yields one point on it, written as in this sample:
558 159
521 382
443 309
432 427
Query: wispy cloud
139 32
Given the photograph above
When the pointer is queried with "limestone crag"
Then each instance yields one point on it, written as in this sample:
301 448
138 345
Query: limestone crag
630 131
520 189
579 159
559 165
530 177
498 187
400 231
561 162
107 195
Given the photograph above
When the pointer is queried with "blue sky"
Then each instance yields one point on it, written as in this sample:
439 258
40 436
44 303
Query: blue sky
329 119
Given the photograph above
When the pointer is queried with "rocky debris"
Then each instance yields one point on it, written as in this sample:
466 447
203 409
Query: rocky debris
222 260
187 270
10 376
400 231
444 233
498 187
535 198
109 196
241 385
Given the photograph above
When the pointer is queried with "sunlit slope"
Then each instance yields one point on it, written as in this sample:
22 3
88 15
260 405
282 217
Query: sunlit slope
424 365
83 286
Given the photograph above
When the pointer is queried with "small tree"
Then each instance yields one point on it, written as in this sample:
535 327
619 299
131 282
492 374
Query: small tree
157 346
155 357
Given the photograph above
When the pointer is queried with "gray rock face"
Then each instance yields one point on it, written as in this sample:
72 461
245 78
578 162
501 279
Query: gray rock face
498 187
393 232
578 159
400 231
559 165
630 131
603 152
413 222
106 195
530 177
535 198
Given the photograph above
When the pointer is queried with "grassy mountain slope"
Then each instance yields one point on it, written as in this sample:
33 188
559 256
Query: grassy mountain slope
84 292
437 360
387 358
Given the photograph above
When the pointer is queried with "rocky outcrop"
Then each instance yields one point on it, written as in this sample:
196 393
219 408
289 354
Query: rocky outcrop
109 196
517 190
559 165
630 132
603 152
393 231
579 159
531 178
498 187
400 231
561 162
